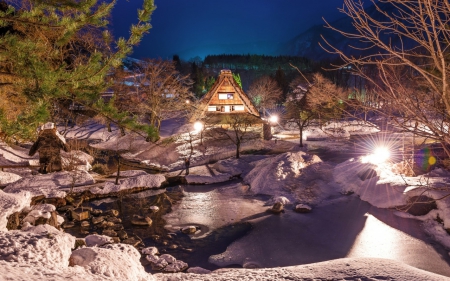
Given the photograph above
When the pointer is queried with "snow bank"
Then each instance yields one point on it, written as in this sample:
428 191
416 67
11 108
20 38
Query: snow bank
149 181
11 203
114 261
296 175
51 185
354 176
340 269
41 246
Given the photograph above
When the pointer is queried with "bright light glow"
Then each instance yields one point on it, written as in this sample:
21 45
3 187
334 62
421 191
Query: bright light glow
382 153
379 156
188 101
198 126
273 119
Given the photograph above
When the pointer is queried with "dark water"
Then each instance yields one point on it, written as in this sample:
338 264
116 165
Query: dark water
195 252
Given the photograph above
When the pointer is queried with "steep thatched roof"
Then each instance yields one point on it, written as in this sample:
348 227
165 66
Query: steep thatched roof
225 78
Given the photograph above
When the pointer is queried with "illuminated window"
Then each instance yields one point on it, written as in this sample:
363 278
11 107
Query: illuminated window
239 108
225 96
212 108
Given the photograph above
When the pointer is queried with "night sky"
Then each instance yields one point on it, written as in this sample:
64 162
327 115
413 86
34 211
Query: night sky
201 27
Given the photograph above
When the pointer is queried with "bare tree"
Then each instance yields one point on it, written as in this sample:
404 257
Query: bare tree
410 42
265 92
237 128
160 91
312 103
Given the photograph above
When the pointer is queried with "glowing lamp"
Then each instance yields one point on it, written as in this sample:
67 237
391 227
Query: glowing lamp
198 126
273 119
381 154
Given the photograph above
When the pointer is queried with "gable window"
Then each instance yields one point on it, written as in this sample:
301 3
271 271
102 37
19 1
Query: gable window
225 96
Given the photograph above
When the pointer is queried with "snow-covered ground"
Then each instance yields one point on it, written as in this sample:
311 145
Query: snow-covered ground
43 252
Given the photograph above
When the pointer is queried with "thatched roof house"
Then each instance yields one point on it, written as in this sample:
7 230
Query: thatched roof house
225 97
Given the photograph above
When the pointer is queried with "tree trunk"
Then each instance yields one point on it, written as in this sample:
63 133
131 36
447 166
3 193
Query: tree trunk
238 146
301 137
118 170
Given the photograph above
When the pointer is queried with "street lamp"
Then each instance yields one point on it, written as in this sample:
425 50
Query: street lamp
273 119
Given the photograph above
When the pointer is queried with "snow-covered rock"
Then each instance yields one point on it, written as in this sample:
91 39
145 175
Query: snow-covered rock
50 185
7 178
150 251
11 203
149 181
297 176
39 211
97 240
114 261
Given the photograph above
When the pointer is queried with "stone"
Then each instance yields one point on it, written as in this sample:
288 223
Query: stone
168 258
68 224
97 220
154 209
85 224
96 212
132 241
150 251
112 212
109 232
114 220
95 240
173 246
79 214
189 229
122 234
13 221
302 208
79 243
84 232
116 239
160 264
152 258
277 208
117 227
106 224
142 221
177 266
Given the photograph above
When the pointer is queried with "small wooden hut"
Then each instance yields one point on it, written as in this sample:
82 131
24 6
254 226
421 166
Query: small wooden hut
225 97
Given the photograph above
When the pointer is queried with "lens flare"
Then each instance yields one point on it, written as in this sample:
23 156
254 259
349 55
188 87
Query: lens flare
381 154
273 119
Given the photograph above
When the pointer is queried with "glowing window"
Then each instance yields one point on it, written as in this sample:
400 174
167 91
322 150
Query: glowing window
212 108
239 108
225 96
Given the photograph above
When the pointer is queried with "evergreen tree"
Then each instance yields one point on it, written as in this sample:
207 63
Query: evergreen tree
280 77
59 50
237 78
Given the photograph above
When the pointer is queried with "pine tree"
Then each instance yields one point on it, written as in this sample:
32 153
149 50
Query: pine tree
59 50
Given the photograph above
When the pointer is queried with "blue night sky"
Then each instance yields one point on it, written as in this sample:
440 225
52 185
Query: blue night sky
196 25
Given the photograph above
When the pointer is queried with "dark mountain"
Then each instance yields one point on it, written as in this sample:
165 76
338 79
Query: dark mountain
307 45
